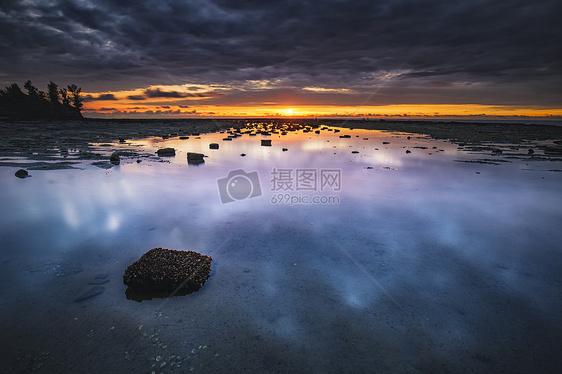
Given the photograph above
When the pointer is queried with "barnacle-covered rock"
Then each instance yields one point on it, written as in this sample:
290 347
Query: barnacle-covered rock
167 270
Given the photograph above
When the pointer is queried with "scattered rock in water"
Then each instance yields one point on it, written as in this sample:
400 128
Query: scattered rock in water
243 154
266 142
166 152
284 149
345 136
122 140
385 142
114 158
195 158
21 173
184 137
92 292
530 152
214 146
168 270
408 151
139 161
227 139
354 151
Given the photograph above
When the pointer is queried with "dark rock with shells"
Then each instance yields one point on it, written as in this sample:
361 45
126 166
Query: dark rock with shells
168 270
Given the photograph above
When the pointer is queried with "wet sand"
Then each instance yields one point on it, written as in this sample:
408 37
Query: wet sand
52 140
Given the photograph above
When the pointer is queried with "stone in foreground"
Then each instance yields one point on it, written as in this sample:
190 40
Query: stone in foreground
168 270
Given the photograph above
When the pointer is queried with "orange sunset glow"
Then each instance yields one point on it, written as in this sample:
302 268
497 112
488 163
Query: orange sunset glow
209 101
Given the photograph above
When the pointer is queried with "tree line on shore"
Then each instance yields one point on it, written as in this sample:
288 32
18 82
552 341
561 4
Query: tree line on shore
63 103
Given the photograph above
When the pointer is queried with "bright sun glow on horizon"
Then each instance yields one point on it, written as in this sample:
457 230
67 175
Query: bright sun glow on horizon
213 101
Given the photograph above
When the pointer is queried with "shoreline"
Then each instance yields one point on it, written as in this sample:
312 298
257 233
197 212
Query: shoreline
51 140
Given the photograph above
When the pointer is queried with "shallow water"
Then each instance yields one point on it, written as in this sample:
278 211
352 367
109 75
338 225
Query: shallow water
409 262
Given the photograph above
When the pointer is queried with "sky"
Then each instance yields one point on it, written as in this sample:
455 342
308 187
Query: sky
334 58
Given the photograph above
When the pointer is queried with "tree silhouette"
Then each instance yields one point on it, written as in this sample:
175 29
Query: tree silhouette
53 93
76 98
37 104
64 96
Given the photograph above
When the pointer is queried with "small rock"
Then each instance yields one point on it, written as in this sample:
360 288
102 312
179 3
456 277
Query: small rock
266 142
214 146
195 158
243 154
122 140
114 158
285 149
166 152
530 152
21 173
408 151
354 151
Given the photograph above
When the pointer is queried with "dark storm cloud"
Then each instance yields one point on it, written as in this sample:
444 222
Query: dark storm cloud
103 97
136 97
108 45
156 92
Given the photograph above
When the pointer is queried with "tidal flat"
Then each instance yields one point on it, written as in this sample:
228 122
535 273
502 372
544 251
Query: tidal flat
360 246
